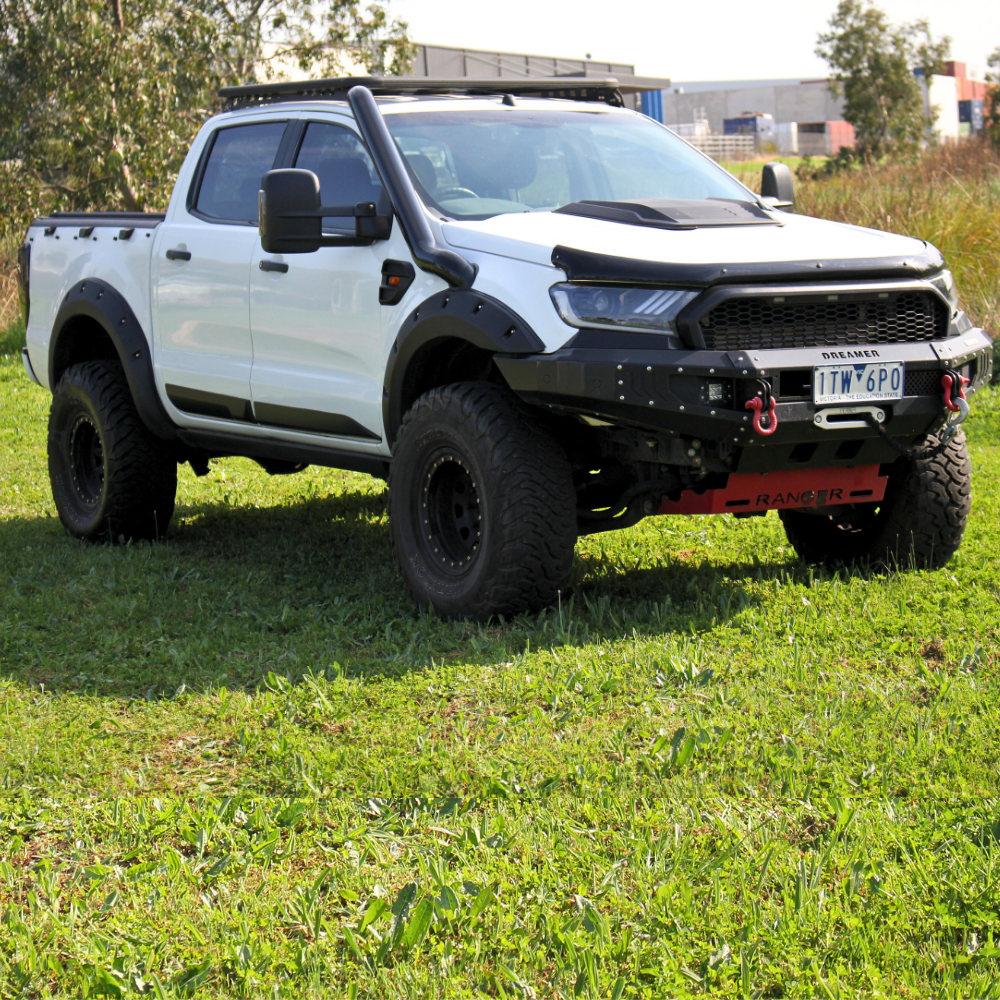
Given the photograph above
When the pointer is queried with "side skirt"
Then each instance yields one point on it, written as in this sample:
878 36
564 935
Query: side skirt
221 443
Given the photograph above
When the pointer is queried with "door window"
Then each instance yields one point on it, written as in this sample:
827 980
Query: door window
345 170
239 157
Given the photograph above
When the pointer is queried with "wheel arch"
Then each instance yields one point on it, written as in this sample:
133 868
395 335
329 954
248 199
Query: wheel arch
450 337
96 323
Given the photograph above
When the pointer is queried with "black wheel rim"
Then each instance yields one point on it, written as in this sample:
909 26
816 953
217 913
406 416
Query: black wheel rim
86 460
450 513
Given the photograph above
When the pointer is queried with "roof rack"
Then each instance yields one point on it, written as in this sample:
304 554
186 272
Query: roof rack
574 88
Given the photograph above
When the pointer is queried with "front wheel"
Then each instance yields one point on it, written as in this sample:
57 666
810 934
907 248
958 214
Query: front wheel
111 478
482 509
917 525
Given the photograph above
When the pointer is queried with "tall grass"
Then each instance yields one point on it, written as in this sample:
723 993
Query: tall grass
11 336
9 312
949 196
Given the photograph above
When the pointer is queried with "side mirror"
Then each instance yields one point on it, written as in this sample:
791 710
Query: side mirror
288 222
777 188
291 216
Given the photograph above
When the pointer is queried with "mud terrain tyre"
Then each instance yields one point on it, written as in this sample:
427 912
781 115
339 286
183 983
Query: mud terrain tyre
482 509
111 478
918 525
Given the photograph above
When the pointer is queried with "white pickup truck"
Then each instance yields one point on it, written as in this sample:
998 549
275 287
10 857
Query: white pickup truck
538 314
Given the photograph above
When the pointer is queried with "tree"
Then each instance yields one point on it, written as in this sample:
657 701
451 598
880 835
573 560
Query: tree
991 109
99 99
315 36
873 64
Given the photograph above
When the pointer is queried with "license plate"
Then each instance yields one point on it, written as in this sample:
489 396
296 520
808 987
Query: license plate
871 383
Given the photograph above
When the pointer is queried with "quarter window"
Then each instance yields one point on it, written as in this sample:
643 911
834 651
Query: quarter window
240 156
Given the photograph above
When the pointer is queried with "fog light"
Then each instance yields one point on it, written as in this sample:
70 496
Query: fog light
717 392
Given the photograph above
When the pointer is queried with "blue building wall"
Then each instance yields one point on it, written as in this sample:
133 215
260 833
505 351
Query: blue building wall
652 104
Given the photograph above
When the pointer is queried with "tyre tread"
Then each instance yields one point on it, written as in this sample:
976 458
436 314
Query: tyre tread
142 476
536 505
921 524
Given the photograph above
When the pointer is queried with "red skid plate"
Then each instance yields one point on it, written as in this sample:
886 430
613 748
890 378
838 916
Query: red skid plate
753 491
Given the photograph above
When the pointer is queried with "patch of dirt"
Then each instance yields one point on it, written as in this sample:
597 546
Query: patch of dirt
188 760
335 728
933 650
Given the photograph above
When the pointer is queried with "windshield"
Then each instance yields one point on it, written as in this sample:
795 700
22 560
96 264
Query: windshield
477 164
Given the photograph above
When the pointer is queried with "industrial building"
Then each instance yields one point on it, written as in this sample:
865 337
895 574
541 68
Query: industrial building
450 63
805 102
801 116
728 119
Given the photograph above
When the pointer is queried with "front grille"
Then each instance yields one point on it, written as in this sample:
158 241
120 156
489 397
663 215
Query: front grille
747 324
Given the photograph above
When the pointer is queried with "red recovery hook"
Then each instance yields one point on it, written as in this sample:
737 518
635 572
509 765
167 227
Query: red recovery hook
761 402
954 390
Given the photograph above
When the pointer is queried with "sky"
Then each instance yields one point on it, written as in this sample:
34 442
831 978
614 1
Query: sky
689 40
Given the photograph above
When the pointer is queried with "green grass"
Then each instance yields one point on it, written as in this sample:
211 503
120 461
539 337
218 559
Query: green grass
12 339
239 762
749 171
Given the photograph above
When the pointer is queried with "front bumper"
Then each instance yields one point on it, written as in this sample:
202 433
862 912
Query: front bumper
668 391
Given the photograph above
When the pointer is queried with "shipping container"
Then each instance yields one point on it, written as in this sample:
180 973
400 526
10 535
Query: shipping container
971 113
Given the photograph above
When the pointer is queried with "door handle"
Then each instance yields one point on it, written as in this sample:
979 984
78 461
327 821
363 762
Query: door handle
274 265
178 255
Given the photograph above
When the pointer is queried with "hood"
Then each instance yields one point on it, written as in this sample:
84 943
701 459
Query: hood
532 236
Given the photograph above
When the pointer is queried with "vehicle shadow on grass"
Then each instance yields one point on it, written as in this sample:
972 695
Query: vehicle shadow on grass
235 592
355 526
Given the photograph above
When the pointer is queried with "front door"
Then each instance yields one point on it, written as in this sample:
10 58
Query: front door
201 277
315 317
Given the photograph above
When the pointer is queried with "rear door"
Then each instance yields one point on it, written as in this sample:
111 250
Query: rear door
200 275
315 317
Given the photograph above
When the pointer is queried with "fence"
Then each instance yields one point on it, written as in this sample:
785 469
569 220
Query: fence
725 147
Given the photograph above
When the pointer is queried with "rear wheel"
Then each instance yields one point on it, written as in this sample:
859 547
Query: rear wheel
919 524
482 508
111 478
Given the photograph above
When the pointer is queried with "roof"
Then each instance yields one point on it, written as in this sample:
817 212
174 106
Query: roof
576 88
707 86
444 61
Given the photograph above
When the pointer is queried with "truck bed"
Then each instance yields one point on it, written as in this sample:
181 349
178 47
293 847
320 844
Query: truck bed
67 247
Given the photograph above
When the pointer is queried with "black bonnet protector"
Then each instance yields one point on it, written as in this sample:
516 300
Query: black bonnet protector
664 213
582 265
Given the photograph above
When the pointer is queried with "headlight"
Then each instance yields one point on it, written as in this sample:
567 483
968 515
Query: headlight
650 310
945 283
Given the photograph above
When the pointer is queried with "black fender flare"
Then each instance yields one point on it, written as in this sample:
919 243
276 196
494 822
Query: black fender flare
453 314
99 301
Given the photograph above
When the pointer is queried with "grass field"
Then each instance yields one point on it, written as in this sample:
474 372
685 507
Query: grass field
239 763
